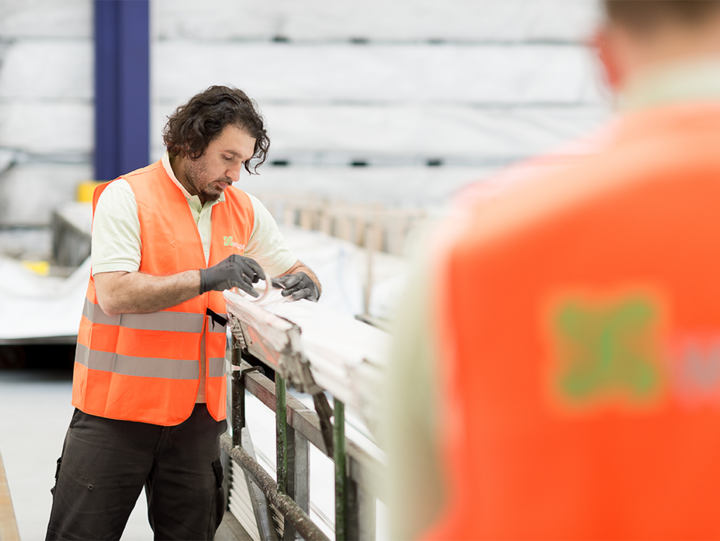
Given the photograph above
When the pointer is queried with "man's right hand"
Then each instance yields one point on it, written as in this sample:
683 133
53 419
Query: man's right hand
235 271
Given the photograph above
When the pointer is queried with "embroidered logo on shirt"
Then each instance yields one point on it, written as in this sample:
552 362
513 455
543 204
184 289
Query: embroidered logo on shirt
608 350
228 241
623 351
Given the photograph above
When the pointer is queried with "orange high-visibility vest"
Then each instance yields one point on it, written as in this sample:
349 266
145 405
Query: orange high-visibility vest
146 367
580 346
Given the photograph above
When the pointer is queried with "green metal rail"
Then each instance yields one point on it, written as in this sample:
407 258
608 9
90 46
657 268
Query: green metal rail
341 508
356 473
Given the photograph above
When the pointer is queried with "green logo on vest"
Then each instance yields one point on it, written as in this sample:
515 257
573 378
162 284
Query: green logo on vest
228 241
607 350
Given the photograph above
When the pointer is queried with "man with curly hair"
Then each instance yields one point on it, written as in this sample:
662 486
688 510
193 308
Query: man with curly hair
149 381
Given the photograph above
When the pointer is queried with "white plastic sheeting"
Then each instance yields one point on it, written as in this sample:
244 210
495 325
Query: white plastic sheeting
346 356
341 267
33 306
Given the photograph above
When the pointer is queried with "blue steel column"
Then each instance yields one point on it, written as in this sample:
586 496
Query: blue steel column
122 86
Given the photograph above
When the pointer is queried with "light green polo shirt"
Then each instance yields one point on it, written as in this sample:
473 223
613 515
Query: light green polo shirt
679 82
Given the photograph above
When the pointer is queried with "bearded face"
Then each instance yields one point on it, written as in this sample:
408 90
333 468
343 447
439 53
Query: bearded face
212 173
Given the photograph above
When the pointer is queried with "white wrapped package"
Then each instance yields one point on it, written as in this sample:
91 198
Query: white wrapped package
346 356
40 307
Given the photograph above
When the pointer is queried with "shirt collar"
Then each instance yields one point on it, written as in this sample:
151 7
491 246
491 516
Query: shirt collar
670 84
171 174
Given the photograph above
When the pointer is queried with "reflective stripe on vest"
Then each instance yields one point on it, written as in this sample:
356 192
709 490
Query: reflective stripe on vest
145 367
156 321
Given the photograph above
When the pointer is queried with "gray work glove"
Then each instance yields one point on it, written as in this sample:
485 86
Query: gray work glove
235 271
299 285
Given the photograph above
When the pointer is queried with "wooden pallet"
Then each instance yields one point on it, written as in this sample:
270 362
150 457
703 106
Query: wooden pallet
369 225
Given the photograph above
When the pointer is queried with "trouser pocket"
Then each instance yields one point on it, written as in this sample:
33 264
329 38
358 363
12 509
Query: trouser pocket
218 510
75 416
57 474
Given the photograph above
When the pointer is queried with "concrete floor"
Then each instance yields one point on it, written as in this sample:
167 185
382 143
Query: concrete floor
35 411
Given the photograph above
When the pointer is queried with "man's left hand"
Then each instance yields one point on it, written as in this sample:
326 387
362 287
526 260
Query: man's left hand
299 285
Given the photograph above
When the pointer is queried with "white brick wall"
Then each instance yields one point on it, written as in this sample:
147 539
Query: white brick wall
453 133
47 127
46 19
46 104
47 69
414 73
392 83
470 82
383 20
402 186
32 190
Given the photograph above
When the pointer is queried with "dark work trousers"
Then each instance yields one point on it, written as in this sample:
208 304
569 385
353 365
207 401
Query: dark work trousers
105 464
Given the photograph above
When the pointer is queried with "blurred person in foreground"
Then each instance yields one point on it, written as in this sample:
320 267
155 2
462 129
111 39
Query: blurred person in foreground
563 371
149 384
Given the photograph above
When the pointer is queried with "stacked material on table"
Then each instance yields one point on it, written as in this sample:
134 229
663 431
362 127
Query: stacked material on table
342 268
345 356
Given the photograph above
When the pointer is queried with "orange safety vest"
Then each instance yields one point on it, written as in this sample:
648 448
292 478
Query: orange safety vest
146 367
580 346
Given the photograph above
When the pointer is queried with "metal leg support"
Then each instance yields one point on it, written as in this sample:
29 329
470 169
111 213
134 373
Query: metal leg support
352 527
361 516
340 472
238 396
298 477
281 434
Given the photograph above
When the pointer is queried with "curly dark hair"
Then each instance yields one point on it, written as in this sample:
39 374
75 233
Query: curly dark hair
193 126
646 14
